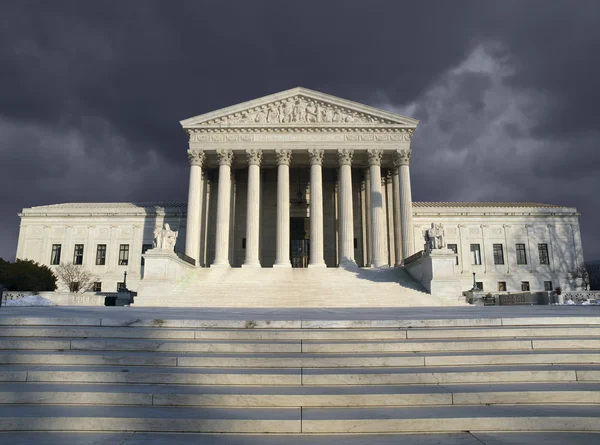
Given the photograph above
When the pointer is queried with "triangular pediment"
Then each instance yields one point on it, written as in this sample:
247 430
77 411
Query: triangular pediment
299 107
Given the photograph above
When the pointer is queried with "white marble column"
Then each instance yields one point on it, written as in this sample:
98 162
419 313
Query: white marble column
316 207
194 206
397 213
253 208
284 157
346 218
377 214
369 255
402 159
223 208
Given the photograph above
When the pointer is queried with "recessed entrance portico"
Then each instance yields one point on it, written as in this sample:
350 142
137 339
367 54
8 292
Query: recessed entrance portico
291 155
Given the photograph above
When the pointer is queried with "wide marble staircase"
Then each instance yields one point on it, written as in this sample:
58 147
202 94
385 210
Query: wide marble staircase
457 381
295 288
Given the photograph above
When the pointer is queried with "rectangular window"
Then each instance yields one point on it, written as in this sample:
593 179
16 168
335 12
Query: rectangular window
521 254
501 286
123 254
498 254
101 255
120 286
543 251
547 285
78 254
525 286
97 287
475 254
145 248
55 258
454 248
479 285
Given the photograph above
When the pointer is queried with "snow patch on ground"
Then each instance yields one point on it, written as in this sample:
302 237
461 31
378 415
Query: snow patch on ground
31 300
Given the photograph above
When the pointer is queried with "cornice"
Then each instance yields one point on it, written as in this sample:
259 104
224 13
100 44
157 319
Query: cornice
244 109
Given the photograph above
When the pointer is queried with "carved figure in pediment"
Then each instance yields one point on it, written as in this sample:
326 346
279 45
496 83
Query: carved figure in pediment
299 113
286 112
273 115
327 115
313 112
261 117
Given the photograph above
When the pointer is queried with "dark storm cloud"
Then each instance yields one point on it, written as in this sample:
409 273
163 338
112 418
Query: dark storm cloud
92 92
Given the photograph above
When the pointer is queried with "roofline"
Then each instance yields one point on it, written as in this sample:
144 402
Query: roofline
190 122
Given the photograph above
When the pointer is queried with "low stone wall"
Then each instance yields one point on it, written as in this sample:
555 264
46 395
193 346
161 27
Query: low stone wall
581 296
59 298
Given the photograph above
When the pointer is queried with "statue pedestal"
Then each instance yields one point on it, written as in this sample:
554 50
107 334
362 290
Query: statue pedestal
163 270
435 271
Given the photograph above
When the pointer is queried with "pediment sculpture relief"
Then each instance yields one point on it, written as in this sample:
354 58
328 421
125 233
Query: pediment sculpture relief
298 110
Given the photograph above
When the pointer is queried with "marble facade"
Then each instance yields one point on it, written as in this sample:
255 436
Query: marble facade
304 179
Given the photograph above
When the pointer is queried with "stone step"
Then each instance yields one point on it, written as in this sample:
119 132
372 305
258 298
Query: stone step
446 419
298 396
463 438
449 374
288 318
297 376
290 346
315 346
139 418
299 334
297 360
152 375
451 419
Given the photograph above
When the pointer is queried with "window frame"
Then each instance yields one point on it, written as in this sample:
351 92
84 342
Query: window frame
97 286
498 254
521 254
100 259
475 255
56 249
548 286
454 248
543 254
501 284
78 254
145 248
123 255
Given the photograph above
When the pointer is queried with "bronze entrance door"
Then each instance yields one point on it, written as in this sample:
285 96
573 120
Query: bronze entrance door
299 243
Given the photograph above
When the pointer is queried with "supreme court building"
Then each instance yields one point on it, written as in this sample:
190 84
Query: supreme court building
304 180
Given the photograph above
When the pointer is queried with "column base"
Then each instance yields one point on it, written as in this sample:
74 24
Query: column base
317 265
220 264
348 264
380 266
282 264
256 265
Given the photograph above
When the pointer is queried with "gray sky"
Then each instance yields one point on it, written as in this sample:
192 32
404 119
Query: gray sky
91 93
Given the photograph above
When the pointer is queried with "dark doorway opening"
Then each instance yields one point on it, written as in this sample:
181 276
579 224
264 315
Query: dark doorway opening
299 241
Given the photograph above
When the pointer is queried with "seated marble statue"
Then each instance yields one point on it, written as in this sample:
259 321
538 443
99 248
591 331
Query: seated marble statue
434 237
165 238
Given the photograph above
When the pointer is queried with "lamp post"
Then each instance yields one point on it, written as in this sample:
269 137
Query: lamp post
125 280
475 288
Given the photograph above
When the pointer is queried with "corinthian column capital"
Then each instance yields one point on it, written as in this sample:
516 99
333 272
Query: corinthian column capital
374 155
254 156
225 156
196 156
316 156
401 157
283 156
345 156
